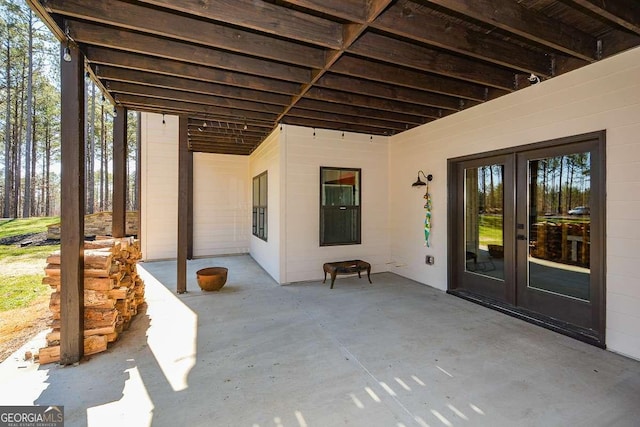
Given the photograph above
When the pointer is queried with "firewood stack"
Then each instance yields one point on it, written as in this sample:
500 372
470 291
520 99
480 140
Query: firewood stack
113 292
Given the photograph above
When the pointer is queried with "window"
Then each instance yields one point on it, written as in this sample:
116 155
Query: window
339 206
259 228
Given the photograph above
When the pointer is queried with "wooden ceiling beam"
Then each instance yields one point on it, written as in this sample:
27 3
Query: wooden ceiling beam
191 108
264 17
391 92
213 128
625 13
334 125
220 141
195 98
174 26
387 73
413 21
348 98
403 53
343 118
116 74
354 10
134 61
353 110
99 35
263 126
214 149
510 16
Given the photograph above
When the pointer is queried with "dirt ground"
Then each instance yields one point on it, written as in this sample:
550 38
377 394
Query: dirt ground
20 325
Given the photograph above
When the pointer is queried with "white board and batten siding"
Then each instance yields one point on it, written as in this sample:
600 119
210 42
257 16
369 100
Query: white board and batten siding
601 96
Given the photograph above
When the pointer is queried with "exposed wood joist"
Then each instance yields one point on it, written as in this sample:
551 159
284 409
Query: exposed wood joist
263 17
172 26
412 21
400 52
116 38
190 97
510 16
388 73
625 13
389 91
132 61
115 74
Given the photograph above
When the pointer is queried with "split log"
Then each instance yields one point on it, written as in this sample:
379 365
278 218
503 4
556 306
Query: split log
92 345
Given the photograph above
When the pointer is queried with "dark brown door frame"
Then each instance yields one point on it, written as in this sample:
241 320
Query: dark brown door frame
598 239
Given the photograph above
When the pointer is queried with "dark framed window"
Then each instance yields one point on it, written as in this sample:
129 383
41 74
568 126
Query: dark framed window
259 213
340 213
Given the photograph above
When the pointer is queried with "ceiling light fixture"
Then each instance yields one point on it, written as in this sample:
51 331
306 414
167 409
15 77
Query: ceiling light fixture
67 53
533 79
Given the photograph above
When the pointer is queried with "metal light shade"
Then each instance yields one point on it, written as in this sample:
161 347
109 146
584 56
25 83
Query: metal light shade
419 182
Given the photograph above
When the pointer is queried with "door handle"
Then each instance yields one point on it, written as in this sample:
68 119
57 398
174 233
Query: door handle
521 237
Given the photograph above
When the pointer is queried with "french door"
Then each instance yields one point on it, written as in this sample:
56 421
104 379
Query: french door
527 233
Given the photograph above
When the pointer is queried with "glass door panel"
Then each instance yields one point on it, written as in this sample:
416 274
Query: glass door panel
559 225
484 220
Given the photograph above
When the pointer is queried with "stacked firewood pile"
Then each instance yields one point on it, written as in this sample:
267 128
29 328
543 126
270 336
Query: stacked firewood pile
113 293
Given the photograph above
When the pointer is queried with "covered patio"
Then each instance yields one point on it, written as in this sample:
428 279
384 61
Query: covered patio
392 353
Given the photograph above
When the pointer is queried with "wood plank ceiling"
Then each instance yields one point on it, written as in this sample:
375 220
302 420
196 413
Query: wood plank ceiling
238 68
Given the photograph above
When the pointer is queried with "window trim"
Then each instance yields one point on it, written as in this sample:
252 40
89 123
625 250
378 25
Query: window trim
357 207
258 208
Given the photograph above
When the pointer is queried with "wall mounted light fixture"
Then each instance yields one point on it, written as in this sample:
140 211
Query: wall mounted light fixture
419 182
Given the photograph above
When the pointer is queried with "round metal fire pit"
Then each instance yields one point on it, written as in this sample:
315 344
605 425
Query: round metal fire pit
212 278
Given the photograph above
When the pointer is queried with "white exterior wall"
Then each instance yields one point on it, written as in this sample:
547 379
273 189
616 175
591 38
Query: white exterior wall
221 198
159 186
304 153
605 95
221 204
267 157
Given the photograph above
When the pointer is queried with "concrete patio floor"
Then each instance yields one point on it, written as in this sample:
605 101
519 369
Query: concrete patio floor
394 353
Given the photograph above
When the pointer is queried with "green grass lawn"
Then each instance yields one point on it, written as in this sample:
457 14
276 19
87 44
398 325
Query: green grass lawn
21 268
17 227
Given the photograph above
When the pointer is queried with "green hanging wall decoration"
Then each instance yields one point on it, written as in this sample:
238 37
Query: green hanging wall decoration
427 218
427 206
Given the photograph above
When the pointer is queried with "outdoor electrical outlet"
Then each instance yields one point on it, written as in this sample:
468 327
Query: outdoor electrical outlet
429 259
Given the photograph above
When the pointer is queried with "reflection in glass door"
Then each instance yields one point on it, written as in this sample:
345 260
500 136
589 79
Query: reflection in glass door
559 225
484 213
560 234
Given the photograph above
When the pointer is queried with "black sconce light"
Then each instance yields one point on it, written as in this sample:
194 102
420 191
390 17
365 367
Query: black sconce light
419 182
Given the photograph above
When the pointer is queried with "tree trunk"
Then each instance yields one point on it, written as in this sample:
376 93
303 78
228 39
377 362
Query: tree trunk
91 153
34 157
102 152
47 180
26 203
6 208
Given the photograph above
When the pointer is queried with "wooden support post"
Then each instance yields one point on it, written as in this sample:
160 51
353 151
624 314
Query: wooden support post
72 207
119 173
138 172
190 205
183 201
